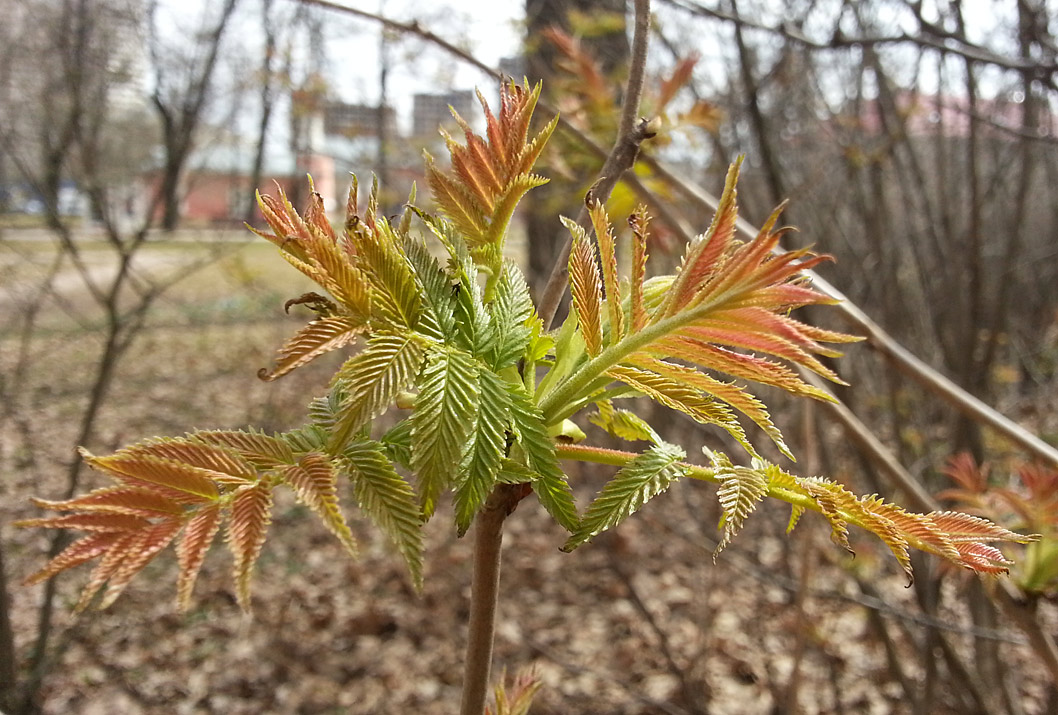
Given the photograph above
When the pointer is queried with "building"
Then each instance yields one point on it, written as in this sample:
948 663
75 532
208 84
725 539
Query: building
358 120
429 111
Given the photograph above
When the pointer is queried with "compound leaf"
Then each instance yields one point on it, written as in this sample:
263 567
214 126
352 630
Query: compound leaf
389 500
445 415
639 481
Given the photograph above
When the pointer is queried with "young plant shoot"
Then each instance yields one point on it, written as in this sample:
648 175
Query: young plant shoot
484 393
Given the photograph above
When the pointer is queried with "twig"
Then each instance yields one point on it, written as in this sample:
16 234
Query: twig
631 133
930 38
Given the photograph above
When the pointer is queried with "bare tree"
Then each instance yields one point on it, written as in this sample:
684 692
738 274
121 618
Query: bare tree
183 76
73 129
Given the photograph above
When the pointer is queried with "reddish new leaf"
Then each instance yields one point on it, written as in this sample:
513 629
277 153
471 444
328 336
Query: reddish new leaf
251 513
315 480
191 551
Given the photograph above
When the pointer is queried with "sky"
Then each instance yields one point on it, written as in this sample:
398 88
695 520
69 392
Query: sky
490 30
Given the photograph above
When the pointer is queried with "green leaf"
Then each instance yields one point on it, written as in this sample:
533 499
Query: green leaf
623 424
474 331
397 443
436 290
310 438
740 490
323 410
395 293
388 499
512 472
372 379
483 459
511 312
646 476
445 415
551 487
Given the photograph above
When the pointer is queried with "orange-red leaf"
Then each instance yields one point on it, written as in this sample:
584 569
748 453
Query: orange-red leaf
318 337
103 523
177 481
111 561
586 288
251 513
191 550
963 528
703 253
139 552
314 479
219 464
117 500
489 177
81 551
608 253
983 558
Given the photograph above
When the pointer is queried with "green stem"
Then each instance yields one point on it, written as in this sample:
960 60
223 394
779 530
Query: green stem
600 383
619 458
572 389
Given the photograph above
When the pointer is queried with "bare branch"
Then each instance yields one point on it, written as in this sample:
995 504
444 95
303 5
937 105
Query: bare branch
930 36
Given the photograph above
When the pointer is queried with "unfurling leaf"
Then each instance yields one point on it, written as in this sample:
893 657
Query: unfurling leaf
315 339
740 490
586 287
490 176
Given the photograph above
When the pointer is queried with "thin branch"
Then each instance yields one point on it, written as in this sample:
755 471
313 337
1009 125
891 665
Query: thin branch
930 37
630 135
